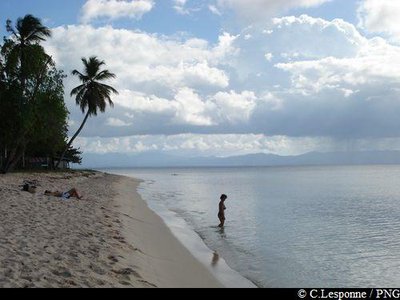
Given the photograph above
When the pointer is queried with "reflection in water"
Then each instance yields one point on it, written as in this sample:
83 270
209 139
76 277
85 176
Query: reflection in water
215 259
222 232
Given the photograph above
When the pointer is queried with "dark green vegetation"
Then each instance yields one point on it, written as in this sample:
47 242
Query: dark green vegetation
33 114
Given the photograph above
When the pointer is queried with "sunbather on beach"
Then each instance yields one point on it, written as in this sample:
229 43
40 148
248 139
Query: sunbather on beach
65 195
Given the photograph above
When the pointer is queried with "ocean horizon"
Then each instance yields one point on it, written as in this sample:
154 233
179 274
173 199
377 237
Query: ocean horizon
289 227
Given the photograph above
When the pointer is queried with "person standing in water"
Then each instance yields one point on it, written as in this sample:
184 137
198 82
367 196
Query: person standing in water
221 212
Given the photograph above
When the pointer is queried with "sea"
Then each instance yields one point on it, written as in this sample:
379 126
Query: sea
286 227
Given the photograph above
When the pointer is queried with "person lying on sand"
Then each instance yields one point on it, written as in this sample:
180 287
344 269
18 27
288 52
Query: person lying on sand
65 195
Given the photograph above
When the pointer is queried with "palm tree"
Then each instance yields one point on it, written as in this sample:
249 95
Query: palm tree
26 37
25 59
92 95
29 30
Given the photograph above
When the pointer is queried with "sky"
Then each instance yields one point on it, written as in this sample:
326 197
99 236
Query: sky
231 77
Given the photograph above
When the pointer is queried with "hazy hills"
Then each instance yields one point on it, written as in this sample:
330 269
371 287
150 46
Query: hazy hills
156 159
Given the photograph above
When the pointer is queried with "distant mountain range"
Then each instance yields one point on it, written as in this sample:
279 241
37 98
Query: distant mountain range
156 159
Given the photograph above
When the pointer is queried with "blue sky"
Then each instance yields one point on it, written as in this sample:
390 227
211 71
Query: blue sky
228 77
162 19
57 12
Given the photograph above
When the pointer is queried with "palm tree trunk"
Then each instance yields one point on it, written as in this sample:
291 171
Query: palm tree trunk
13 158
72 139
11 166
23 159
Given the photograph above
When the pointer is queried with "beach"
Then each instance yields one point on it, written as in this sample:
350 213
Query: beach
110 238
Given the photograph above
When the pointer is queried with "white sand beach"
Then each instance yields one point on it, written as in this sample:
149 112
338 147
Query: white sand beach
110 238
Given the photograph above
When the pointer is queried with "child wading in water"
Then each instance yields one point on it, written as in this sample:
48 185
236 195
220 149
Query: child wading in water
221 212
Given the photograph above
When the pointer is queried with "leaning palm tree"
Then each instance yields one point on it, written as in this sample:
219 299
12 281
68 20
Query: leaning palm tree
92 95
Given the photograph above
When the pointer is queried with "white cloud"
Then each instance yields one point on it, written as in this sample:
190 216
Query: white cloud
234 107
140 102
316 37
262 9
182 7
290 39
113 145
269 56
114 9
114 122
188 108
191 109
340 83
144 61
214 10
376 62
380 16
179 6
156 75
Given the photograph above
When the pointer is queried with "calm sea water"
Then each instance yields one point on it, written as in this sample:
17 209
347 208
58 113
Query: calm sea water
291 226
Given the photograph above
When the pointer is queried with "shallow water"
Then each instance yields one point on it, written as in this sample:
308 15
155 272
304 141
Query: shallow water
290 226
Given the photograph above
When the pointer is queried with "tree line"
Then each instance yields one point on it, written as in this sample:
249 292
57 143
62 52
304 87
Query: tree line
33 114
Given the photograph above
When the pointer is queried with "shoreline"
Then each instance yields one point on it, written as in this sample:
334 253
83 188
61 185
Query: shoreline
191 240
164 260
111 238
